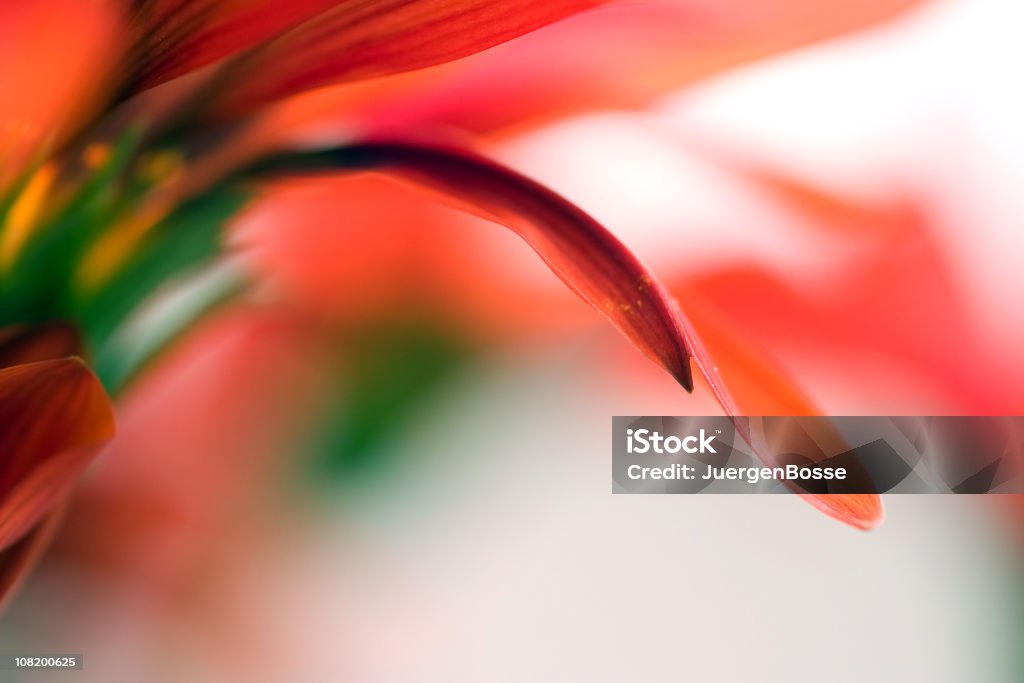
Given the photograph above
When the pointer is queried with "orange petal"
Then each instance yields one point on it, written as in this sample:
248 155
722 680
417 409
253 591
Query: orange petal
54 418
359 40
746 381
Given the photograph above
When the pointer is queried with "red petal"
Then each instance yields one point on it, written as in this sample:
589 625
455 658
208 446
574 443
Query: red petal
177 36
54 417
358 40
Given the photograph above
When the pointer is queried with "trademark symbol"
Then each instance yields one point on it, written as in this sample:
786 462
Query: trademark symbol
718 431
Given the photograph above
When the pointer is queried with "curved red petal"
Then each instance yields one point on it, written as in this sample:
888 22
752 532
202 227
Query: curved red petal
582 253
604 273
744 380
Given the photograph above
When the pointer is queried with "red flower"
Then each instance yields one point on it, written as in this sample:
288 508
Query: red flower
97 211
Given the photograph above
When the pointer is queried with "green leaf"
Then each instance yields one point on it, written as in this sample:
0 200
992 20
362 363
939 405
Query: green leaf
188 239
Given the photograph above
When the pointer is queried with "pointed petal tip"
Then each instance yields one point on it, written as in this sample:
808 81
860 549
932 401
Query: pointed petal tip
684 375
862 511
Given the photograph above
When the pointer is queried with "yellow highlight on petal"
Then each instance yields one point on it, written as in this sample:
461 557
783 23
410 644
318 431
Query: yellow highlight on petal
23 215
111 250
115 246
96 155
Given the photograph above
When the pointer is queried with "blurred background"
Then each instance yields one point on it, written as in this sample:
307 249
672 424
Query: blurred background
392 462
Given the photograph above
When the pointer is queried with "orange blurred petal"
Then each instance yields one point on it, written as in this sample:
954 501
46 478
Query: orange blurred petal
895 299
747 381
56 57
